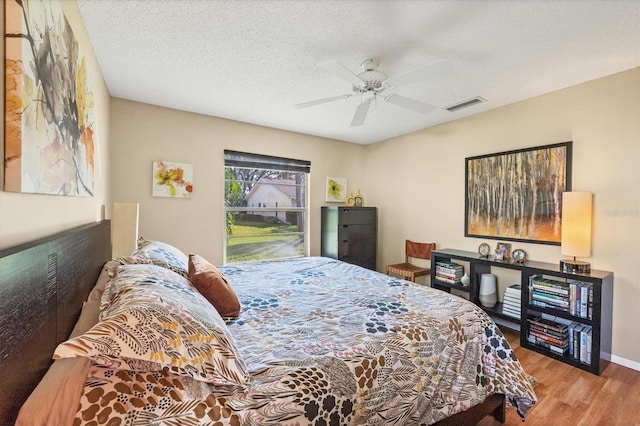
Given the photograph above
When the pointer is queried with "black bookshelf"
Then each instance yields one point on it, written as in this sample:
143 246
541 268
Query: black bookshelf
601 300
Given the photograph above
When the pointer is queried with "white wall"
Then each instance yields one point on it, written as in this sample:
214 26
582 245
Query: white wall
418 183
24 217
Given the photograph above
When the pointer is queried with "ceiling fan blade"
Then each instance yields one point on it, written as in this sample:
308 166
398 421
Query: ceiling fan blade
322 101
341 71
419 106
360 114
434 69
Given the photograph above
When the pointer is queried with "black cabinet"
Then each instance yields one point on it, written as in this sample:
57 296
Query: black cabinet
350 234
551 313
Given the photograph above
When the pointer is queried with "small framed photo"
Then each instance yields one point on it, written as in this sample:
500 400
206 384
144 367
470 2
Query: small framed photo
336 191
503 251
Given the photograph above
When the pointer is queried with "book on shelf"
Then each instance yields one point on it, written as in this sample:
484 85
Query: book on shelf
453 273
549 323
511 312
448 265
448 279
576 297
561 350
536 300
450 268
447 275
449 272
562 335
512 299
549 332
512 306
580 340
581 298
559 341
514 290
543 295
549 285
584 344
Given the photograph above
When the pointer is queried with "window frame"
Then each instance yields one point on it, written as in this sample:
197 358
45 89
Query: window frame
237 159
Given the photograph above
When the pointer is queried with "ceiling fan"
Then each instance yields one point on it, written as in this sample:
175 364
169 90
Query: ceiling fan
371 84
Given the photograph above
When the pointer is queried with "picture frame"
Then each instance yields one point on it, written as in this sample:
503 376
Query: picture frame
517 195
171 179
51 141
503 251
336 190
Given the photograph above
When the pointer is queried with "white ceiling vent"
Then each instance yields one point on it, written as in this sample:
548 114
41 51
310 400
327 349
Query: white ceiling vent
465 104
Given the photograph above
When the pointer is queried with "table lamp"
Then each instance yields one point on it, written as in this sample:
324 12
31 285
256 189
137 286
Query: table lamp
124 229
576 231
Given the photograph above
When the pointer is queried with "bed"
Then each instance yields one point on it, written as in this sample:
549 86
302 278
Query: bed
316 341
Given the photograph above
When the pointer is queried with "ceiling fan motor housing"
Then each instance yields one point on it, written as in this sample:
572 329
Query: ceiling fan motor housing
373 80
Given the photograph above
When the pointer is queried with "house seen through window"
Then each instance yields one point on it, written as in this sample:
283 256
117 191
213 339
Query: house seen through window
265 207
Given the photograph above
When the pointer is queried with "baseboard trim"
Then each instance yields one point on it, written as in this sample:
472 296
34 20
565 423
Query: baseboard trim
625 362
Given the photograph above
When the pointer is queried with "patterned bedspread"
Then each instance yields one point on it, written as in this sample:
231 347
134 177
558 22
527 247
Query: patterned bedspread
328 343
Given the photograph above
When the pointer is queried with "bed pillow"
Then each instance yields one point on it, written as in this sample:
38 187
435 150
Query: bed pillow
212 285
158 321
110 268
163 254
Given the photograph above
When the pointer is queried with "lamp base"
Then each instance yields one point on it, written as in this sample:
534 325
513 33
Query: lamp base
575 266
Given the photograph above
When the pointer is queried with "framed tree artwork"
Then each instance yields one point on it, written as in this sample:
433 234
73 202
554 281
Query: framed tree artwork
517 195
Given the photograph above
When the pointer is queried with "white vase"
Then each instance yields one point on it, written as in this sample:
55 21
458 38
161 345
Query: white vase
488 294
465 280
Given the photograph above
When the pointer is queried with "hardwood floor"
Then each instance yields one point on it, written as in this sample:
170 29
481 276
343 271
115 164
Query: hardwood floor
570 396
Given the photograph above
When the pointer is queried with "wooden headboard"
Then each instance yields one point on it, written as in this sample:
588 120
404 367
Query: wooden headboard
42 286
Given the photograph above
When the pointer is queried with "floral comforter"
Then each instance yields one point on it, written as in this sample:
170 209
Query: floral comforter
329 343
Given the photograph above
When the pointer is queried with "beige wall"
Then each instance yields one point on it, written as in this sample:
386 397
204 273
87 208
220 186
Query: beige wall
24 217
417 181
143 133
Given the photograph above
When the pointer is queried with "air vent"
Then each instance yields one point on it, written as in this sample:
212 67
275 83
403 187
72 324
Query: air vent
465 104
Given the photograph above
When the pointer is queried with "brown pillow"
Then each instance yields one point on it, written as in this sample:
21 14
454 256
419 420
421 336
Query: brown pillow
212 285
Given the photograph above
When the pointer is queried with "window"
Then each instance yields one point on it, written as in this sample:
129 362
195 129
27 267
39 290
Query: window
265 206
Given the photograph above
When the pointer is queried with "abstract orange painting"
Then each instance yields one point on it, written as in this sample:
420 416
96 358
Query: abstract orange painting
172 179
49 107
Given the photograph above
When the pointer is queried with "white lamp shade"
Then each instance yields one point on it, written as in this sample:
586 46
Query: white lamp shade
124 229
576 224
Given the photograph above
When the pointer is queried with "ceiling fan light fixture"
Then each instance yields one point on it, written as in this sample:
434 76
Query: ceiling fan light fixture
370 83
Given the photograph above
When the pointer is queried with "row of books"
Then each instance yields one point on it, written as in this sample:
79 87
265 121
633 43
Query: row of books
549 334
576 298
511 301
561 336
449 272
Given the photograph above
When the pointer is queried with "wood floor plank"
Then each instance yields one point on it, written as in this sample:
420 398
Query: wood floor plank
570 396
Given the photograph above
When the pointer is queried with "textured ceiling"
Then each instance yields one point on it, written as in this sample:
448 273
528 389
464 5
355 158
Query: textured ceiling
252 61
